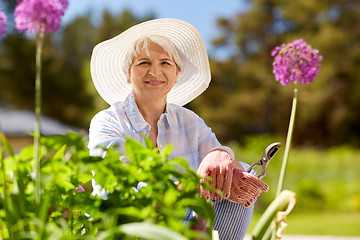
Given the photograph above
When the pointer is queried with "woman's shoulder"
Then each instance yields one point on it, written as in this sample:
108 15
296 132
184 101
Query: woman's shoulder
110 113
185 112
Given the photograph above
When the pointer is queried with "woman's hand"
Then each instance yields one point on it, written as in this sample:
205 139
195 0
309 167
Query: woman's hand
219 165
228 177
245 188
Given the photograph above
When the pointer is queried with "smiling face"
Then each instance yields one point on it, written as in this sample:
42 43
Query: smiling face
152 75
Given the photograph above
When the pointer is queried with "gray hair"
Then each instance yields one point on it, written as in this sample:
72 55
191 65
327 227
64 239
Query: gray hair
142 44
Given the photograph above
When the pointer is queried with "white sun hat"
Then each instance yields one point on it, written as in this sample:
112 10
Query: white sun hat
108 57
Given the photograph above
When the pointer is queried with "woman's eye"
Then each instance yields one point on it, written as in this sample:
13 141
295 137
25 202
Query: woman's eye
166 63
143 63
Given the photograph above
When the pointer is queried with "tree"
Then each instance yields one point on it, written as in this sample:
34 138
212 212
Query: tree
68 93
253 102
243 97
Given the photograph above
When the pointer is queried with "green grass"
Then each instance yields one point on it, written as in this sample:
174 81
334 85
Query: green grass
334 224
324 180
326 183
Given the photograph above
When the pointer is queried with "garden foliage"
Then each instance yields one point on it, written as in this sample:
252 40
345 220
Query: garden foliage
153 211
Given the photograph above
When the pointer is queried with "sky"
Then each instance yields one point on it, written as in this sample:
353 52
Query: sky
200 13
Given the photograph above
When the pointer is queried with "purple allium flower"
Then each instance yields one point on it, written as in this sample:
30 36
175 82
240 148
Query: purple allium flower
296 61
34 15
3 23
79 188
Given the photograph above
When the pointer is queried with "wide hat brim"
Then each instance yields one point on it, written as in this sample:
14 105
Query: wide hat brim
108 57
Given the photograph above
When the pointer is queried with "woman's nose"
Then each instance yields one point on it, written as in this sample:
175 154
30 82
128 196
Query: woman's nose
154 70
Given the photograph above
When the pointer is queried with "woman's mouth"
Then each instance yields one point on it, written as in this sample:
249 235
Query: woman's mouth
154 82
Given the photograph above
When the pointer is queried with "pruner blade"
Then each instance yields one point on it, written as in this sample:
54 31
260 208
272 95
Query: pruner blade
269 153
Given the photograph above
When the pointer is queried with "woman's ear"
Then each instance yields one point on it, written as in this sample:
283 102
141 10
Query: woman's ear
128 79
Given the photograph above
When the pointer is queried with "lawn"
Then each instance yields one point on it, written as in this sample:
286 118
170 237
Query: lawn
334 224
326 183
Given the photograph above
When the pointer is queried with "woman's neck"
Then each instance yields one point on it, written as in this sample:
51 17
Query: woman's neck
151 110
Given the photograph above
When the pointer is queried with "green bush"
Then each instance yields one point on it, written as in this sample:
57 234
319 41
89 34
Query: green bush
154 210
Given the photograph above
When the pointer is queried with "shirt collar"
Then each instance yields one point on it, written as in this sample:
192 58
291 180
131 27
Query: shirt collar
135 117
169 108
133 113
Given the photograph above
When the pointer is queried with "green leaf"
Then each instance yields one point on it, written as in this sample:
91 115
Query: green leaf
171 196
280 202
21 195
26 152
128 211
166 151
201 206
61 181
91 159
60 153
179 161
84 178
43 212
6 144
148 143
150 231
10 164
132 148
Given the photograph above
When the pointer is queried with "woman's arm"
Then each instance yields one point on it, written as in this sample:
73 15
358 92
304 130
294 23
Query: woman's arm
105 132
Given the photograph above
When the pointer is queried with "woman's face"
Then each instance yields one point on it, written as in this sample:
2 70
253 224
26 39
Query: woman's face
152 76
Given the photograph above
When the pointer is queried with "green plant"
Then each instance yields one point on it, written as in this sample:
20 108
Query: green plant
157 209
263 229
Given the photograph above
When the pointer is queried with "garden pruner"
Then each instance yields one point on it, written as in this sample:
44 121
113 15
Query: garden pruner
263 162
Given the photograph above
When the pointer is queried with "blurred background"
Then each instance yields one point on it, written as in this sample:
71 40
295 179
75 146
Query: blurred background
244 105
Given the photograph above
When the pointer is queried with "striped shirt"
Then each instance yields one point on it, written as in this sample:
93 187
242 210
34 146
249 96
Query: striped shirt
191 138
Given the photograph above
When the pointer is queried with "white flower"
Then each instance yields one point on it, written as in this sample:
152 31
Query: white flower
98 190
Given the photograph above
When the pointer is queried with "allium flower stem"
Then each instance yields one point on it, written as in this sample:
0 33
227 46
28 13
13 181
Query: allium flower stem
296 62
288 141
39 47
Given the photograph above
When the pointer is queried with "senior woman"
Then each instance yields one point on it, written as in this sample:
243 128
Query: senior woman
146 74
